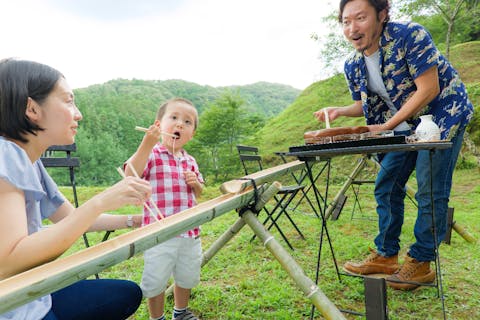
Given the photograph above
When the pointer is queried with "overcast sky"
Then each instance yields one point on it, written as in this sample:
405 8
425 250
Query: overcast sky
209 42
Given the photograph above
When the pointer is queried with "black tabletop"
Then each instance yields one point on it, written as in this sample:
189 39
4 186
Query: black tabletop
329 153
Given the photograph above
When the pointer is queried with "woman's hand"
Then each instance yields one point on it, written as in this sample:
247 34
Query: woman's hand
129 191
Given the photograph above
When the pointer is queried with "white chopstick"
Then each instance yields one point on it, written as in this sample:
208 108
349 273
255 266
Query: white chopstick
146 129
120 171
327 119
152 202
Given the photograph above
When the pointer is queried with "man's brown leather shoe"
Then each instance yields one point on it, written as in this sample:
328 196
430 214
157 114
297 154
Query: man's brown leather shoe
374 263
414 271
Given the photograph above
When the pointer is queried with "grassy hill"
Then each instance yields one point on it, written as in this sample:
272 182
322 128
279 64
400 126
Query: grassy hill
288 127
465 57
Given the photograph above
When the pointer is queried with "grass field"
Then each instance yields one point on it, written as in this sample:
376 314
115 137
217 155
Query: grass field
244 281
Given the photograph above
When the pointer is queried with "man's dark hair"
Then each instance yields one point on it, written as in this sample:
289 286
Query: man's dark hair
20 80
379 5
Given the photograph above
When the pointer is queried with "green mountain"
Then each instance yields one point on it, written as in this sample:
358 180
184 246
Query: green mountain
267 99
113 109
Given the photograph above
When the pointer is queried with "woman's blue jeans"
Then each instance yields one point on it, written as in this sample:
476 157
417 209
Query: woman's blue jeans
104 299
396 168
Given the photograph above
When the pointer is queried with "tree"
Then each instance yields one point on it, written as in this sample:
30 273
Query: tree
448 10
334 46
452 21
222 126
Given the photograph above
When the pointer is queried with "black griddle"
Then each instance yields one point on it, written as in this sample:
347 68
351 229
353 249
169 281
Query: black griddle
350 144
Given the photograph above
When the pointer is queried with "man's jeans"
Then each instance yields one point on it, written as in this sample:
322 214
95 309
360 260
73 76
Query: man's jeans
390 192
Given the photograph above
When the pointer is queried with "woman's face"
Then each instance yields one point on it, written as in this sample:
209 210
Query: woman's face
60 115
361 25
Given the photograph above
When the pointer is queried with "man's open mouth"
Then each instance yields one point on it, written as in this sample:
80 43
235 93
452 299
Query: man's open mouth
356 37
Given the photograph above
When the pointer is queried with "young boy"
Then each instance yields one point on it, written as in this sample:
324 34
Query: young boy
176 183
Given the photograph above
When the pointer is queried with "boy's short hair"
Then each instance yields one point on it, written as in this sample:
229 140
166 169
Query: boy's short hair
20 80
163 108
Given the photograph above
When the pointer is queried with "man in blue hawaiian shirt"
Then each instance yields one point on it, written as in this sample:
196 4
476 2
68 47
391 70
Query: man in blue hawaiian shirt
395 75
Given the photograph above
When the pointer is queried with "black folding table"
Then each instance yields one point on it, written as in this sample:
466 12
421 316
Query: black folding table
325 152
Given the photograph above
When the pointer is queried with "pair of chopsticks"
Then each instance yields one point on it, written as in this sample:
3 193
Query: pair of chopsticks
120 171
146 129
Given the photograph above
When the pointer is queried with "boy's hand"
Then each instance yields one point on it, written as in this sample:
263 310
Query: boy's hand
154 134
191 178
192 181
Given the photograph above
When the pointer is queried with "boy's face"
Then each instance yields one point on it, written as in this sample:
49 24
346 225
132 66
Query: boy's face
179 119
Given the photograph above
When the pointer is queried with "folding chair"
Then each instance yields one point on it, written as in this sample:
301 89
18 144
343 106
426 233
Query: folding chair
304 191
356 184
251 162
369 179
50 161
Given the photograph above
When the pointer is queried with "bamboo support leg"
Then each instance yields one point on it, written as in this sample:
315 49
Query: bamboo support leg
264 197
239 224
361 164
410 192
455 225
463 232
309 288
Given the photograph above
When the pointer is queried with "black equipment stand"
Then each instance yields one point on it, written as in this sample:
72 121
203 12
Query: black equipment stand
310 154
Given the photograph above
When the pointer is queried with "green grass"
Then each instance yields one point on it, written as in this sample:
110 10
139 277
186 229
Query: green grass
244 281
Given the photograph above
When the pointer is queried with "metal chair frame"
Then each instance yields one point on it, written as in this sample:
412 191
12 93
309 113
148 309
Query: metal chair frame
71 163
249 154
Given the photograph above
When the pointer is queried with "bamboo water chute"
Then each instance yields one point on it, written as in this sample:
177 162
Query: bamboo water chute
29 285
262 176
44 279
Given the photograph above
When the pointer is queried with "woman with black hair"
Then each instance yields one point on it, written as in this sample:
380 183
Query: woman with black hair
37 110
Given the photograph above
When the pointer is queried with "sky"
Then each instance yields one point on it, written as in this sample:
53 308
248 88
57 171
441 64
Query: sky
208 42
